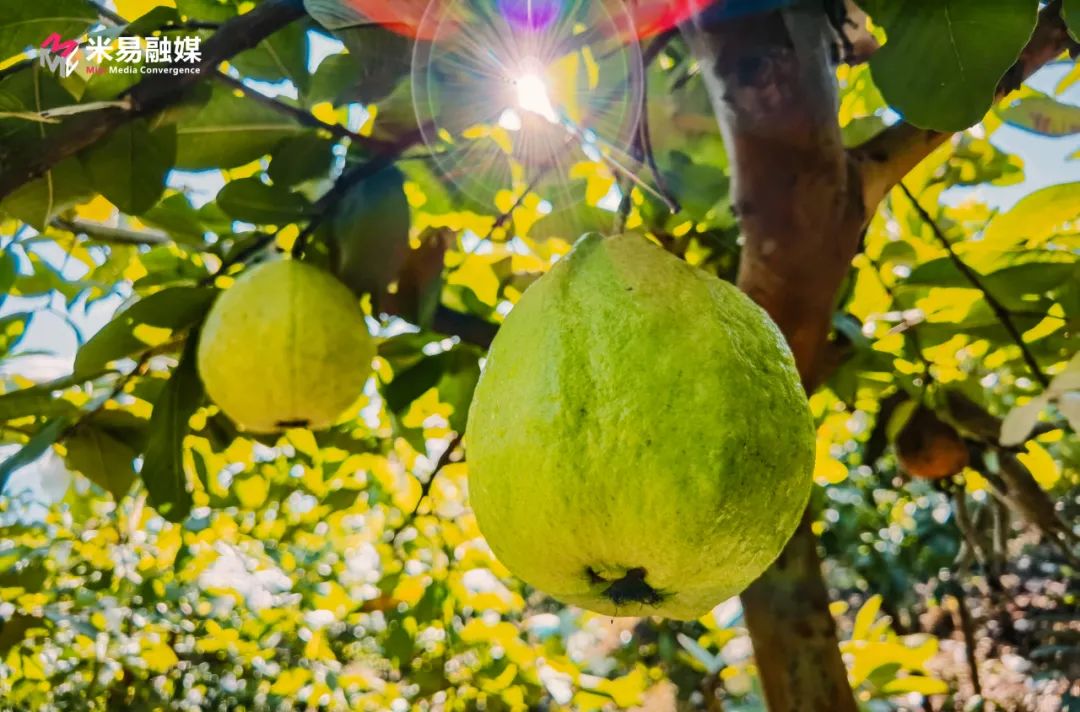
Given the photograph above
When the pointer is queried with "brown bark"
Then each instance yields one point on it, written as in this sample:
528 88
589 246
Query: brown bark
801 212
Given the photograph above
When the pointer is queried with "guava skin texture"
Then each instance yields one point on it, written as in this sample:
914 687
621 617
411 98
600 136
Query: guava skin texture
286 346
639 442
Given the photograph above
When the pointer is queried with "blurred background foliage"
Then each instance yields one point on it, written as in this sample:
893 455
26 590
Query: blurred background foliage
145 563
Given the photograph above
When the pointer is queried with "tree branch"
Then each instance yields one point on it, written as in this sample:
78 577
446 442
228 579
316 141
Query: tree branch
112 235
886 158
151 95
469 328
774 91
299 115
975 279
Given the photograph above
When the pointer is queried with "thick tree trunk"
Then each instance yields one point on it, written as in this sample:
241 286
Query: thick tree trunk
794 634
800 207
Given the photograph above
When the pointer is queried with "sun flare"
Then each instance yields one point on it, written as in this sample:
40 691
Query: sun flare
533 96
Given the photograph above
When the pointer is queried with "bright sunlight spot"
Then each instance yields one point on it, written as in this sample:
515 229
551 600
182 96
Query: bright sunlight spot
532 96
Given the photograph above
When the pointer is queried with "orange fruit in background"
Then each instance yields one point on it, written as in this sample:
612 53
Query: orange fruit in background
930 448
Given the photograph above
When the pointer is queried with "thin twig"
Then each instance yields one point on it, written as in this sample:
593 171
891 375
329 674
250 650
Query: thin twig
112 235
426 485
386 153
300 115
966 526
189 25
106 14
658 45
241 256
967 626
973 277
645 137
444 460
140 369
304 238
505 215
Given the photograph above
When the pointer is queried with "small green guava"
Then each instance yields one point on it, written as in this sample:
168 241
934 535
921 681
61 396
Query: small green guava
286 346
639 442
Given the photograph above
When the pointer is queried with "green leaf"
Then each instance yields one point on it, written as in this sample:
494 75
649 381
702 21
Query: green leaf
1070 10
152 20
178 217
190 102
369 233
37 202
42 440
454 373
122 425
14 629
43 278
9 272
27 24
301 158
420 280
130 166
698 187
102 459
379 60
1036 218
1043 115
332 80
399 643
163 462
281 56
146 323
229 132
206 10
943 60
1031 278
977 160
166 266
334 14
862 129
415 381
34 401
12 329
458 383
251 200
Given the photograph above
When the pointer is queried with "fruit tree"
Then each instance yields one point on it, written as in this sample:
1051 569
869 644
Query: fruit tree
539 354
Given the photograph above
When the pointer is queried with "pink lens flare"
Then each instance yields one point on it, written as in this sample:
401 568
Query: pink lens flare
650 17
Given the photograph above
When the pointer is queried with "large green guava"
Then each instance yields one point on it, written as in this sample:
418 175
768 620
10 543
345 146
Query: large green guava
286 346
639 442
